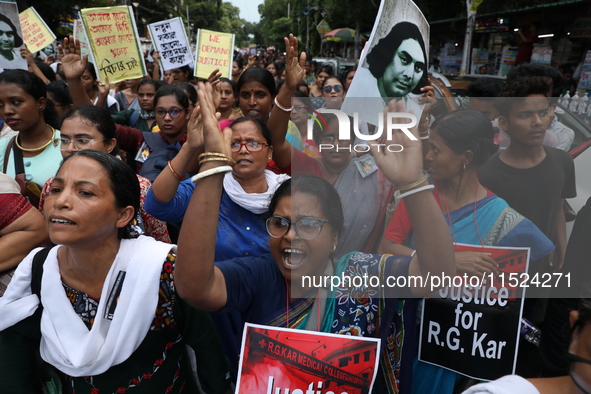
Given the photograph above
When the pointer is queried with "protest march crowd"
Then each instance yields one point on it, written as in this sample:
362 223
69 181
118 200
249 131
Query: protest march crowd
144 222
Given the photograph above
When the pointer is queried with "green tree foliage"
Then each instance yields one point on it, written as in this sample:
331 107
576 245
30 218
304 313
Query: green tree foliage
274 24
55 13
203 14
354 14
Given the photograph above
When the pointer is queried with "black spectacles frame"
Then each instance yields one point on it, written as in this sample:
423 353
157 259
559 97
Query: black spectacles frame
295 225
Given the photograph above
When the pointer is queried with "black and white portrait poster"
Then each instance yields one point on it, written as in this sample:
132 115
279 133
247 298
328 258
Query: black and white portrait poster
393 63
11 38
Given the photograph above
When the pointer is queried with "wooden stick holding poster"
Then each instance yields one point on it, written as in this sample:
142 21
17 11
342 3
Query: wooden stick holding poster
472 327
114 40
274 359
214 50
36 33
170 39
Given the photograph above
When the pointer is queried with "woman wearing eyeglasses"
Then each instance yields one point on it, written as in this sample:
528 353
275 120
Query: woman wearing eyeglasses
30 155
91 127
305 221
246 194
172 105
578 380
180 74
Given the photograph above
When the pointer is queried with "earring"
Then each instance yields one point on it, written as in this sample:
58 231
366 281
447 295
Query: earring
334 248
41 109
464 167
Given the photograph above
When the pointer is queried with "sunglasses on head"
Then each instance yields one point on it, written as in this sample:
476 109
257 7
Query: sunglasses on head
336 88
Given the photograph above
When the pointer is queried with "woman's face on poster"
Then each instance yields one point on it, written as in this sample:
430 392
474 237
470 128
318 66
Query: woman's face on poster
6 37
403 74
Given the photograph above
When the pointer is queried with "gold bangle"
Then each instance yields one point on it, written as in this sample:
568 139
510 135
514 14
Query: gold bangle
229 161
212 154
177 176
414 184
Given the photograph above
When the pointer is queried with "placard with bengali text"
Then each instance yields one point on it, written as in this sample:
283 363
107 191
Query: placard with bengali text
80 35
171 41
114 40
36 33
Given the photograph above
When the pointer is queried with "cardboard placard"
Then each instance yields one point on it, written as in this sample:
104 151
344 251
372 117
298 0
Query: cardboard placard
35 32
274 359
114 40
474 330
171 41
214 50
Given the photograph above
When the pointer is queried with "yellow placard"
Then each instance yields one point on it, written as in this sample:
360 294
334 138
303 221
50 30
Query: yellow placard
214 50
113 37
35 32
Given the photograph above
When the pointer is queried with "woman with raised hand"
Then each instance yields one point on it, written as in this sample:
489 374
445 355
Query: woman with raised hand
90 127
304 225
256 92
244 201
29 155
460 142
357 179
101 306
98 91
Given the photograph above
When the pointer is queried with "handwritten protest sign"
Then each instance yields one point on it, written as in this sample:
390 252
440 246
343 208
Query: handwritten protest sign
214 50
283 360
80 34
473 327
171 40
35 32
113 37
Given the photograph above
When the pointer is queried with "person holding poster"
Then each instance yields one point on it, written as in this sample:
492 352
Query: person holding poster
579 355
10 42
461 142
306 218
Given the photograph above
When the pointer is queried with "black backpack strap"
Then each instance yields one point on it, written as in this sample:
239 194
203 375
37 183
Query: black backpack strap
7 154
19 167
37 272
